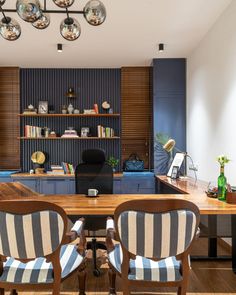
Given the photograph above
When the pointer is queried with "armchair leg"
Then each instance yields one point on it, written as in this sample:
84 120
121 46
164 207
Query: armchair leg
82 279
13 292
182 290
1 291
112 282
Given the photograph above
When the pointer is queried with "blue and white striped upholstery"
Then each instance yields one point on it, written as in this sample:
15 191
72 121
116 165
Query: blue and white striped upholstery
158 235
31 235
38 270
166 270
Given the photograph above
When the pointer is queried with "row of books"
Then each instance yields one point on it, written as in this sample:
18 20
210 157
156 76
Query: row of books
105 131
64 168
33 131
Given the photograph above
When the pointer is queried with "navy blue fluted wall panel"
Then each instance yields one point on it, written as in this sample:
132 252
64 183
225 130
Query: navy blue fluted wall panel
91 86
169 106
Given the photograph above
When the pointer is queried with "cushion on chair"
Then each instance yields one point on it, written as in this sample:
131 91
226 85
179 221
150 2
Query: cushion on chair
165 270
38 270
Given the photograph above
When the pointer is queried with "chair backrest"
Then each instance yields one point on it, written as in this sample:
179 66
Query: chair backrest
94 172
31 229
156 228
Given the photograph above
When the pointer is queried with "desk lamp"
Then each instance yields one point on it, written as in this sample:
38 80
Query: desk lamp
169 146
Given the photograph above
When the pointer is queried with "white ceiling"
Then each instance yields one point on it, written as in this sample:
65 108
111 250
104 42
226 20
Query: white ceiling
128 37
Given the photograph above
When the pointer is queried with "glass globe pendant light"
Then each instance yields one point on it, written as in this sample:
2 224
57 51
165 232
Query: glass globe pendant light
28 10
70 29
43 22
63 3
95 12
9 29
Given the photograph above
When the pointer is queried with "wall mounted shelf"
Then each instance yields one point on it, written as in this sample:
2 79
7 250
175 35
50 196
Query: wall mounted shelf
69 115
66 138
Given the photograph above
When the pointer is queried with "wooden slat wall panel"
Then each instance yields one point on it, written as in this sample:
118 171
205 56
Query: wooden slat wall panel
9 121
136 112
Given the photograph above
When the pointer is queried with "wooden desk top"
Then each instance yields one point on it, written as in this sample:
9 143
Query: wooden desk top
12 190
106 204
185 185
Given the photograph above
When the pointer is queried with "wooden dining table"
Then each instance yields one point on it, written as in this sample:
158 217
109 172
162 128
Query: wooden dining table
105 205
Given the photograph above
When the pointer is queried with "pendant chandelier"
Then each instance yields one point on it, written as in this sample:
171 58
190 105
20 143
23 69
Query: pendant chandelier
32 12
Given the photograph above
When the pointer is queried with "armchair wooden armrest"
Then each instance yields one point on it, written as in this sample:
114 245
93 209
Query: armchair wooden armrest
110 234
78 231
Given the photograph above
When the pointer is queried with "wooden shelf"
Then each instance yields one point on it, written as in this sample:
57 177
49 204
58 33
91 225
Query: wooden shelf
68 115
66 138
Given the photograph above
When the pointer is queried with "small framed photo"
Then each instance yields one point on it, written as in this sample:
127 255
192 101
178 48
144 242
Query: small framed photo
84 132
43 107
175 172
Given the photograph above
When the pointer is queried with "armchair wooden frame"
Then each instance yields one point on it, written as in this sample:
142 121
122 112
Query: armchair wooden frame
27 207
148 206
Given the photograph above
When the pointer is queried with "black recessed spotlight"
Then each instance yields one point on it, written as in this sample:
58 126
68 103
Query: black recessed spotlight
161 47
59 47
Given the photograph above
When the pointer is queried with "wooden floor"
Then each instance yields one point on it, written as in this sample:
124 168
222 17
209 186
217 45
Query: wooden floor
206 277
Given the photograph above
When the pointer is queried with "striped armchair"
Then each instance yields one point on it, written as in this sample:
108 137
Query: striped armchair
154 238
35 250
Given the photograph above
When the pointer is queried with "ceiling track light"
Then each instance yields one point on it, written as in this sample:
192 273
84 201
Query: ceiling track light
161 47
31 11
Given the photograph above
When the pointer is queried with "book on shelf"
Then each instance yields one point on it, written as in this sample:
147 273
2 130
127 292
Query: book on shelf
68 168
33 131
105 131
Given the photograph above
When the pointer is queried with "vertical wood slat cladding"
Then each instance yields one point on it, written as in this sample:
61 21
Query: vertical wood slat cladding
9 121
91 86
136 113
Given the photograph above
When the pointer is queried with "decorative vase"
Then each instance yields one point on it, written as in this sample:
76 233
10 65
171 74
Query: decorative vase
70 109
222 182
64 109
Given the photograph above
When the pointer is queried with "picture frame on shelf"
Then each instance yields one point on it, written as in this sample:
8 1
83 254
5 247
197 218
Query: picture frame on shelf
84 131
43 107
175 172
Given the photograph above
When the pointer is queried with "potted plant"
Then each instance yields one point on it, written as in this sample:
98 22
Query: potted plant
113 162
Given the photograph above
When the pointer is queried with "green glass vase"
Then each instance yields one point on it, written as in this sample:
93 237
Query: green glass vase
222 184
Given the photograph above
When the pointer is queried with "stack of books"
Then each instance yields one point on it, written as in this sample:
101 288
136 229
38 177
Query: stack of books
70 133
29 111
105 131
33 131
56 169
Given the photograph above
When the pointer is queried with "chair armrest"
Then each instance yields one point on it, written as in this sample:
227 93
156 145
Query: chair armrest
197 233
110 234
78 231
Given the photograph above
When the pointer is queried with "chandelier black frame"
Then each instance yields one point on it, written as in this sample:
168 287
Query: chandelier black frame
94 13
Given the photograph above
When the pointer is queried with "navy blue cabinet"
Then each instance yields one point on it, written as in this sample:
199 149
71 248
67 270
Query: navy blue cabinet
32 183
138 183
51 186
129 183
5 179
57 185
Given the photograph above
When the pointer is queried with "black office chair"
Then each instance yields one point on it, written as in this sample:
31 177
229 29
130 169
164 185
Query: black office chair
94 173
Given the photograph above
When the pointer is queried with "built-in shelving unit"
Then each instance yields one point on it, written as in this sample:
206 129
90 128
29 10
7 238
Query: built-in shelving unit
92 86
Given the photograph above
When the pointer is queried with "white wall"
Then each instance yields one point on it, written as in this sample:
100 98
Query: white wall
211 99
